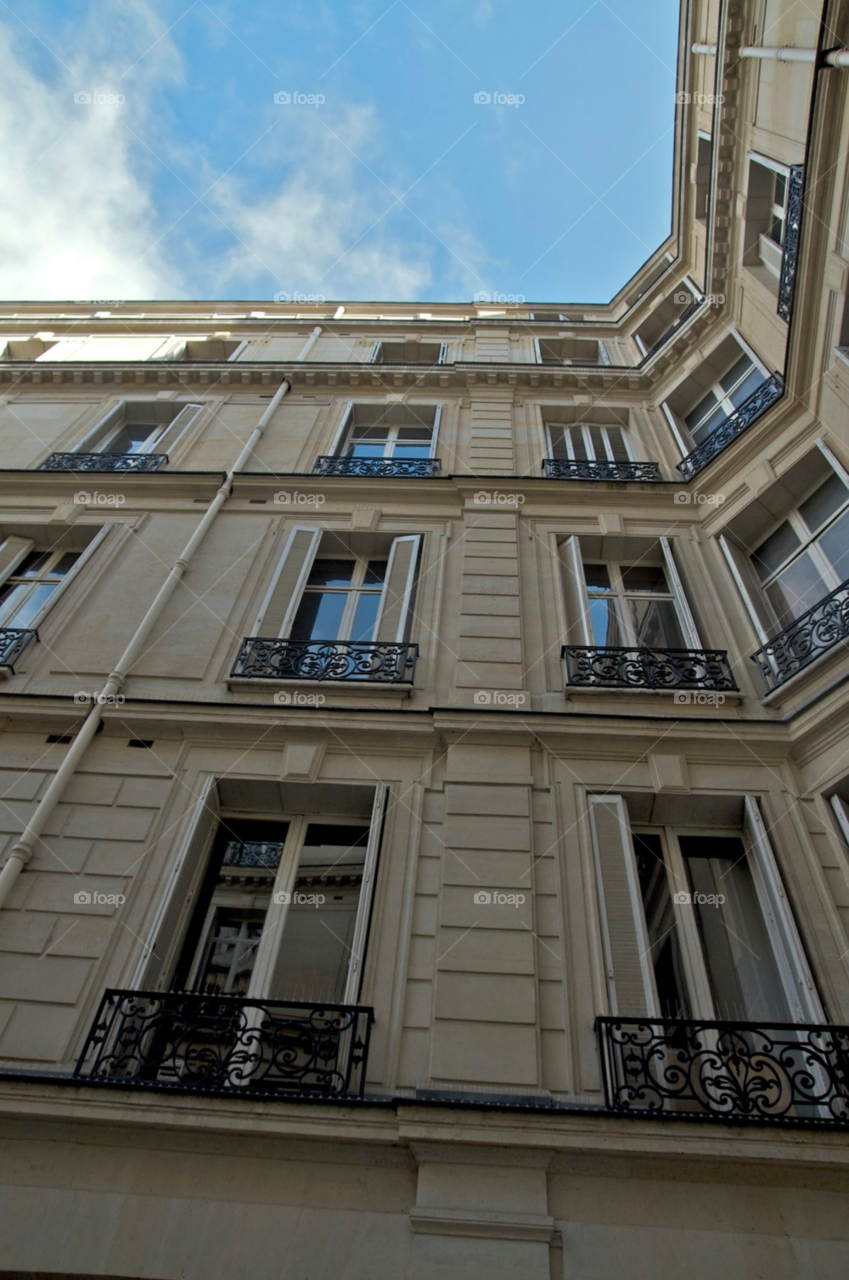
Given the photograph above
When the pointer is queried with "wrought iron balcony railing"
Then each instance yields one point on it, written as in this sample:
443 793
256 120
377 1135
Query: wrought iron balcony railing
792 226
261 855
84 462
418 468
226 1044
609 667
775 1072
592 469
13 641
770 390
384 661
817 631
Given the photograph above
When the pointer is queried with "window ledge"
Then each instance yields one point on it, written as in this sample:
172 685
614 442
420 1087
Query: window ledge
345 688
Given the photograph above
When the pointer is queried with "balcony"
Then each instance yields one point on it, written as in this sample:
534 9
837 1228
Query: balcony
778 1073
770 390
13 641
82 462
673 328
591 469
590 666
417 468
811 635
227 1045
383 662
792 226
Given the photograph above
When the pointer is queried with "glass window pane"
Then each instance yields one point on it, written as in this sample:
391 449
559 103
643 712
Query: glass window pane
557 436
579 445
19 610
419 433
744 976
32 564
376 572
67 562
746 388
604 621
772 553
411 451
735 374
331 573
780 188
656 624
362 450
597 577
796 589
365 616
319 615
835 544
131 439
370 433
597 443
707 425
696 416
823 503
11 597
644 577
616 440
664 943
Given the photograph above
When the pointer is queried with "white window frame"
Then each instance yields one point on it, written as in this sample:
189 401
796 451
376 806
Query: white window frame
674 594
602 357
770 250
108 427
586 435
62 585
353 591
377 349
343 436
723 397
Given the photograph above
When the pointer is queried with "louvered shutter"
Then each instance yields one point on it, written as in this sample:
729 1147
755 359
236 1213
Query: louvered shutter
275 616
630 979
685 617
361 927
742 571
575 590
393 617
12 552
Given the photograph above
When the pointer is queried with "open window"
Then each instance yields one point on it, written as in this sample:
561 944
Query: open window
789 549
571 351
406 432
274 901
111 348
702 176
766 219
700 404
331 587
594 434
695 920
409 351
667 316
625 593
135 427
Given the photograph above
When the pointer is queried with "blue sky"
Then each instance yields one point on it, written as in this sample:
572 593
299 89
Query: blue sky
399 184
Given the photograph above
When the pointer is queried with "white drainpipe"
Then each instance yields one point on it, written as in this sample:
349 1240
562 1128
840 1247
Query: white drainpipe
310 343
22 850
838 58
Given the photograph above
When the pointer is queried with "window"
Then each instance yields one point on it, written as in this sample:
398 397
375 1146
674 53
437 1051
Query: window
108 349
766 219
702 176
634 600
138 427
806 556
695 921
587 441
571 351
27 591
402 431
324 591
725 395
410 352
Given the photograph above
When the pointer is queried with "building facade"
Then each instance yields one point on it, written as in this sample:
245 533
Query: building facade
444 871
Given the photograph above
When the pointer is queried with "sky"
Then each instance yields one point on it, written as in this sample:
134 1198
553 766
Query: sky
437 150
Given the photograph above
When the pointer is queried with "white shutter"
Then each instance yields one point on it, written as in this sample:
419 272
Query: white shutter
375 353
685 617
175 429
603 357
630 977
284 593
364 907
833 461
575 590
760 614
165 936
789 952
841 813
443 353
398 589
102 428
437 418
12 552
538 353
678 429
335 450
